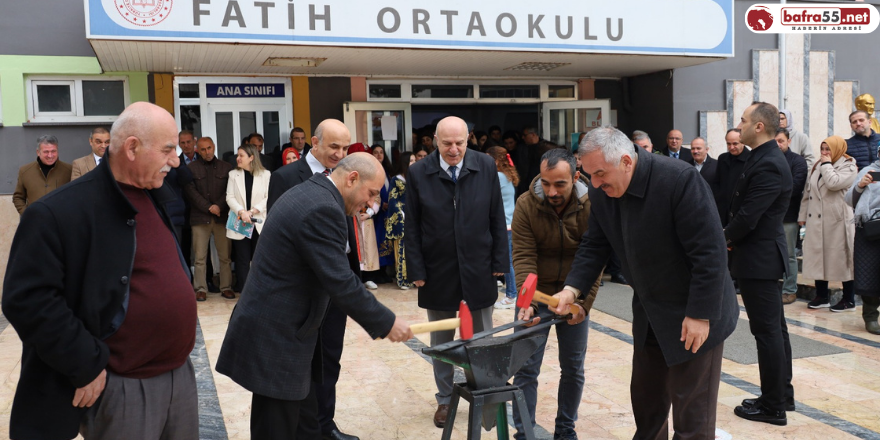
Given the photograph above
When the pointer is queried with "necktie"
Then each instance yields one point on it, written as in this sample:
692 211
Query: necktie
98 161
452 170
327 171
675 155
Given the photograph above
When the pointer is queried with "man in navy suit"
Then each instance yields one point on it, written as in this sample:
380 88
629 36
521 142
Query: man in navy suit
273 343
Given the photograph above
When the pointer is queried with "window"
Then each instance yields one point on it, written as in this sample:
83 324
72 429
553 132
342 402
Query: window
87 99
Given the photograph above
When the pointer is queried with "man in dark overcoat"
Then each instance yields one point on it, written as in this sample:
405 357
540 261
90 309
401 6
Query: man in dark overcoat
455 235
758 259
273 343
684 305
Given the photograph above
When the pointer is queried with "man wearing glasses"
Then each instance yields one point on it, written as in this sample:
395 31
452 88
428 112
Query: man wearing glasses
99 140
673 147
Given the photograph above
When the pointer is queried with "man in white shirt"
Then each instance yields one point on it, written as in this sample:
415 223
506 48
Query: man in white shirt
99 140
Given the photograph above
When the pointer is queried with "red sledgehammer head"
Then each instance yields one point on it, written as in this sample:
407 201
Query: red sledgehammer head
467 321
527 292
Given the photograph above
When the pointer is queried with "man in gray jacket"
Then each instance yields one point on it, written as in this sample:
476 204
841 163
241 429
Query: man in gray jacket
273 342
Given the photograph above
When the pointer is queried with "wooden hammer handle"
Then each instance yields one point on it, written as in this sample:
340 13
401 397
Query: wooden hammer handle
543 298
435 326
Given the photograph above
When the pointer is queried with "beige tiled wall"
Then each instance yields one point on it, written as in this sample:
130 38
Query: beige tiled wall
8 224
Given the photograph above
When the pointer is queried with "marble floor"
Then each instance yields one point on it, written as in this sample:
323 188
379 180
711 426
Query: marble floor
386 390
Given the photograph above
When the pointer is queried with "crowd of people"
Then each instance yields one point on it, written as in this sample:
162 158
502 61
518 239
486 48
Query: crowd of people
466 213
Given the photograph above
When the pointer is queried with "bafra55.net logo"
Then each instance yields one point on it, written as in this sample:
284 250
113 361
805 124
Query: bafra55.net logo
813 18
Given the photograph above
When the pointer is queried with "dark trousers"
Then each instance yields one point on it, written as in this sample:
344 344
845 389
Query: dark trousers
332 335
613 267
244 252
185 236
763 302
275 419
849 290
870 305
690 388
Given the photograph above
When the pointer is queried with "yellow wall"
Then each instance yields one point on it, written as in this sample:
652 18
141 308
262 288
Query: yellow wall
163 86
301 104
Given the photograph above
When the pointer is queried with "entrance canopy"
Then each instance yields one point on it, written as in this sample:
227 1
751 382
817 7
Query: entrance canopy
454 38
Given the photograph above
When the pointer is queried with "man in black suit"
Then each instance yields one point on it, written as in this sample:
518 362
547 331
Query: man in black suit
331 141
682 288
455 235
707 166
730 166
273 343
758 259
673 147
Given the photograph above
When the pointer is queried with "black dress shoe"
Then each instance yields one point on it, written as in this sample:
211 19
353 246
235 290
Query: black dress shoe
761 414
338 435
619 279
789 403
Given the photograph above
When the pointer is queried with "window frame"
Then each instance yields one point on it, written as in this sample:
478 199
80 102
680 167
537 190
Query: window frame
77 113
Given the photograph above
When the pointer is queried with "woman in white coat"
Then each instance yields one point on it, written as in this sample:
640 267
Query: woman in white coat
828 243
246 195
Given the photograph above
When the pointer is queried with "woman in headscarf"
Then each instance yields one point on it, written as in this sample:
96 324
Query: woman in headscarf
289 156
864 197
828 244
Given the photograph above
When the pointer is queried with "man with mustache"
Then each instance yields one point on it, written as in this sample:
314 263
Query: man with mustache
97 290
684 305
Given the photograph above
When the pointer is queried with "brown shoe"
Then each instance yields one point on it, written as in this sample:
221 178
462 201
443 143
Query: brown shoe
440 415
228 294
788 298
201 296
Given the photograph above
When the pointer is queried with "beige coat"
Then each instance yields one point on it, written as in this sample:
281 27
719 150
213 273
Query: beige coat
236 194
828 243
83 165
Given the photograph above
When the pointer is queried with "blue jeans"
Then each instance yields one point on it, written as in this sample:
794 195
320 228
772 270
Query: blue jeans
572 341
510 277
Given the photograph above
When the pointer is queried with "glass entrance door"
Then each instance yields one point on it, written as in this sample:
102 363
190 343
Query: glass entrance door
387 124
563 121
232 122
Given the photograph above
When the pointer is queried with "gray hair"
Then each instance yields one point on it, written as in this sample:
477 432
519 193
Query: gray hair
640 135
365 164
557 155
319 133
699 138
47 139
610 141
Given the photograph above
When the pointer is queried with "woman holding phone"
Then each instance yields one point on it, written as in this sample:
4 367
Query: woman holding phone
828 244
864 197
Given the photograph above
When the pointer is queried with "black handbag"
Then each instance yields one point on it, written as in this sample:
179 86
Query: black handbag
872 227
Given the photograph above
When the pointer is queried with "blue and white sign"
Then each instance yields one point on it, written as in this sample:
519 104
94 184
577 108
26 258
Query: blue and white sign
256 90
669 27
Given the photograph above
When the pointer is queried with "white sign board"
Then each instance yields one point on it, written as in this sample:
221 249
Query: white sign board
670 27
